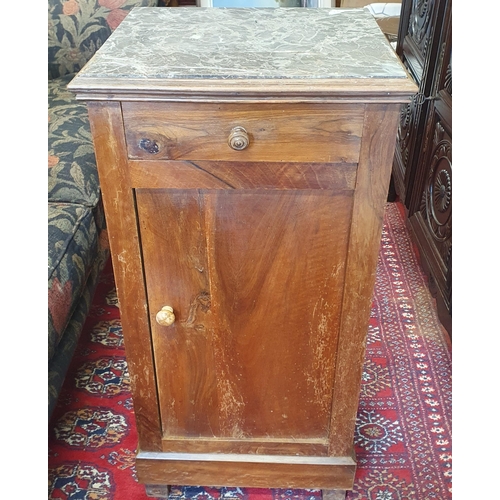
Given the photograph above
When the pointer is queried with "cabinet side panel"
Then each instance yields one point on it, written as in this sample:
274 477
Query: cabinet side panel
109 140
377 150
256 280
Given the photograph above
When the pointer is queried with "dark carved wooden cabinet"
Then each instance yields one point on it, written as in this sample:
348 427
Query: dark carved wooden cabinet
422 160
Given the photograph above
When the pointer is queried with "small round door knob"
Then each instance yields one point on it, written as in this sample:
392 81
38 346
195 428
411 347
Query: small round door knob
238 138
166 316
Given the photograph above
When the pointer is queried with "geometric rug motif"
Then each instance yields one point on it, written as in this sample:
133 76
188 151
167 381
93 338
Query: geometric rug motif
376 433
108 333
403 428
91 428
375 378
107 376
81 480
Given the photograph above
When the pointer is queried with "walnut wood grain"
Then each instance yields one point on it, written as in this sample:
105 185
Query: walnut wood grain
377 151
266 256
186 131
238 301
244 91
252 354
337 177
244 471
109 140
279 446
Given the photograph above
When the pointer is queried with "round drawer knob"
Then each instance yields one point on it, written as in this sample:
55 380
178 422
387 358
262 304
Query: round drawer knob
166 316
238 139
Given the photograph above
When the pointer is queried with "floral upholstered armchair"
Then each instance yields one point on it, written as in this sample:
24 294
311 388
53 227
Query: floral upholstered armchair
77 238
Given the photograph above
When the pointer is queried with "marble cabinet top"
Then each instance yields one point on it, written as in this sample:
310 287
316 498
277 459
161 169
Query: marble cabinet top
231 44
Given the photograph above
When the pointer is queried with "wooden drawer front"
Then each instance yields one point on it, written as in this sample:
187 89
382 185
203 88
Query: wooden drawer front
276 132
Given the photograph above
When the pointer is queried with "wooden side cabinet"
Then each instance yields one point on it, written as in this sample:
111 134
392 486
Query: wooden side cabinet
244 179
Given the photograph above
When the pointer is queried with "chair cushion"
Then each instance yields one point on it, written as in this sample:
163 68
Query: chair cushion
73 246
77 28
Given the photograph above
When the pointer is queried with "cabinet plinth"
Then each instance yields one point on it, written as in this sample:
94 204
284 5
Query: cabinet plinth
244 212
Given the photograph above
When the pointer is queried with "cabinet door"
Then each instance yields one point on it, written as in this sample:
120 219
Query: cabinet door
255 278
434 214
432 221
418 48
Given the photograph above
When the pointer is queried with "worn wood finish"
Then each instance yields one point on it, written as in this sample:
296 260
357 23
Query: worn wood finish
263 357
268 446
118 198
377 150
245 91
260 261
182 131
239 304
248 175
245 470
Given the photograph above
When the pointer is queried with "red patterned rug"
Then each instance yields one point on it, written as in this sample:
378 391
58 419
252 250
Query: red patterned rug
403 432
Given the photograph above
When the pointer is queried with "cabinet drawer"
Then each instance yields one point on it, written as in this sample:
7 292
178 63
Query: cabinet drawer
274 132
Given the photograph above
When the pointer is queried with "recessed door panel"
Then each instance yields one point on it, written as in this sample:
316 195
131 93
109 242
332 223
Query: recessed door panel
255 281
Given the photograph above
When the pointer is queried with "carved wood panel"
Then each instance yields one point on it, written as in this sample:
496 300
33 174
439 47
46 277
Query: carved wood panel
436 199
420 28
418 48
405 140
431 221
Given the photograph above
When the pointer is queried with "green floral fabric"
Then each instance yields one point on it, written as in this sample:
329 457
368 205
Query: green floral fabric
76 227
72 167
59 364
73 241
77 28
78 247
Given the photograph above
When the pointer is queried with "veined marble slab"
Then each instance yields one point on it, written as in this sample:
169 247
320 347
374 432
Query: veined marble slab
216 43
